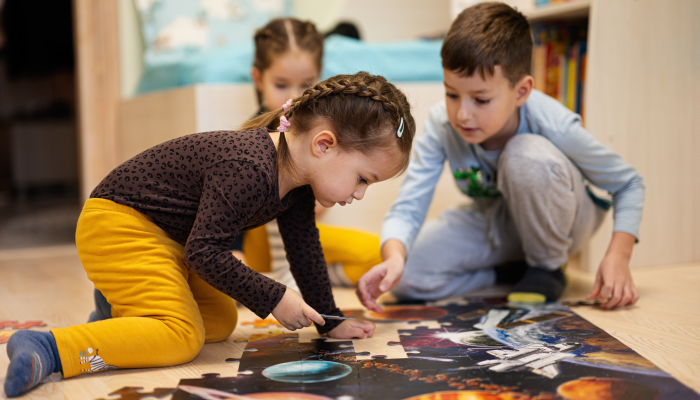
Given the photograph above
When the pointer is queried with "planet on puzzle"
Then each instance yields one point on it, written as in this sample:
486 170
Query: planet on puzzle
591 388
469 395
286 396
307 371
408 313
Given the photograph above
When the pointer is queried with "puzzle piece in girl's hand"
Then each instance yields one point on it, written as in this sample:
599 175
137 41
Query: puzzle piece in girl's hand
24 325
5 336
133 393
262 323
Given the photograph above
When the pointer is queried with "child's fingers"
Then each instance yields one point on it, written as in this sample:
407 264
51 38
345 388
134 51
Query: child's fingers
311 314
635 296
389 279
615 297
368 327
596 287
355 332
626 296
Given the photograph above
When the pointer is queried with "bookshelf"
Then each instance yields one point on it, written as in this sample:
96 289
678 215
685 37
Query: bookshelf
642 100
559 11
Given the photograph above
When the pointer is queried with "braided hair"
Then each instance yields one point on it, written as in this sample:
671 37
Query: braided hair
364 111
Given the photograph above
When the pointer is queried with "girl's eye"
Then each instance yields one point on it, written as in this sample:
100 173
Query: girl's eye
280 86
482 101
363 180
451 95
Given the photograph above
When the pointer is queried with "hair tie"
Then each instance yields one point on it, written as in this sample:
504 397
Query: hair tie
284 124
286 105
400 131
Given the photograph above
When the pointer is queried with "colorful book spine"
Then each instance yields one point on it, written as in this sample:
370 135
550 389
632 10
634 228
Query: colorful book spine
558 62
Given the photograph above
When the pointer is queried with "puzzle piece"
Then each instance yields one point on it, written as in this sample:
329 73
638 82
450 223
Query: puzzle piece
393 343
262 323
5 336
23 325
133 393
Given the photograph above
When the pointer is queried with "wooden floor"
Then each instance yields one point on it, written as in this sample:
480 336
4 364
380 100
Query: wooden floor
50 285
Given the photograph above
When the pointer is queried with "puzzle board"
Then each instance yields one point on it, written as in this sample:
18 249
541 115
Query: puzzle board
477 349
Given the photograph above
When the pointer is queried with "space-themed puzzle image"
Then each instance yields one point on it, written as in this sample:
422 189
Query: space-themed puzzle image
483 349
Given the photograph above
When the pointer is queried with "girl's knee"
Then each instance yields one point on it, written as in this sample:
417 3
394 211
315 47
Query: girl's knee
220 328
188 342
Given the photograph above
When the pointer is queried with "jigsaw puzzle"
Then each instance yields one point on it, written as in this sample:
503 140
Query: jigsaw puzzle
484 349
134 393
5 336
262 323
23 325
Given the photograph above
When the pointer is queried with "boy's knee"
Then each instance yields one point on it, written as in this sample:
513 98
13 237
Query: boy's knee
531 160
418 287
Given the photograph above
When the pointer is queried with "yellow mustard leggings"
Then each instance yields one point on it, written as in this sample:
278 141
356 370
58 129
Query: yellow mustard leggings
162 313
355 251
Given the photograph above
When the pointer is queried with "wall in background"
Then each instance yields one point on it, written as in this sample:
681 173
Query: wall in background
131 47
379 21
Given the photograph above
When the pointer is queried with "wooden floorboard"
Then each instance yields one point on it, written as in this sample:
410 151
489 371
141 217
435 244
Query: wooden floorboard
51 285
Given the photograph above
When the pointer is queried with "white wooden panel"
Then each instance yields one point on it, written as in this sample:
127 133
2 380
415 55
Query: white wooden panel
639 103
148 120
224 107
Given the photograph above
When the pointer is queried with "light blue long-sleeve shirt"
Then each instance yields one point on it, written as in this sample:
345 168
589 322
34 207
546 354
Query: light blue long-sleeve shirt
541 115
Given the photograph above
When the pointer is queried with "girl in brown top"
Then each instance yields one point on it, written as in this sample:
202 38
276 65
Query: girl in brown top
154 235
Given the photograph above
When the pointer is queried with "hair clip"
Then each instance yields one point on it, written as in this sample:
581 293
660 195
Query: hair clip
286 105
400 131
284 124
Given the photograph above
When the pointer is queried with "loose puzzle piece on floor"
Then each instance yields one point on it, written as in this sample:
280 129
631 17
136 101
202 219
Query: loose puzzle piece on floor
484 349
23 325
5 336
134 393
262 323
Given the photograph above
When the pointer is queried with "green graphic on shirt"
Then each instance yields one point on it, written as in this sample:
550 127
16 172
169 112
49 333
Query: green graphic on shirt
475 183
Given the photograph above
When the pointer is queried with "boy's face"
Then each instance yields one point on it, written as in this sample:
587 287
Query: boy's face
485 110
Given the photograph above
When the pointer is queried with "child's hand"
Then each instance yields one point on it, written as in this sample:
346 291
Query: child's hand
614 280
379 279
351 328
293 313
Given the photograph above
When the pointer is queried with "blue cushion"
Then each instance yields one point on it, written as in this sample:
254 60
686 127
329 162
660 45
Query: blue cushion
414 60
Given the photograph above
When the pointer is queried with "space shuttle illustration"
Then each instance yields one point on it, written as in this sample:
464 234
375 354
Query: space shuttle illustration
538 358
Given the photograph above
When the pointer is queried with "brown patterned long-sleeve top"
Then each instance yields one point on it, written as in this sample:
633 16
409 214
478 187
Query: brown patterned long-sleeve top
206 188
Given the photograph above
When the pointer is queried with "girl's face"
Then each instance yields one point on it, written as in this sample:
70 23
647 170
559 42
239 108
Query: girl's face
287 77
338 176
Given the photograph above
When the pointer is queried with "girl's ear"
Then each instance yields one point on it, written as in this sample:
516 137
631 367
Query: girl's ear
256 75
523 89
323 141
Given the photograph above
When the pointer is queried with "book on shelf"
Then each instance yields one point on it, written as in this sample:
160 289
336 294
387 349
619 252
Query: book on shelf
559 62
541 3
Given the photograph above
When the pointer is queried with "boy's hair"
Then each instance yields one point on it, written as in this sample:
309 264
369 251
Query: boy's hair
281 35
486 35
364 111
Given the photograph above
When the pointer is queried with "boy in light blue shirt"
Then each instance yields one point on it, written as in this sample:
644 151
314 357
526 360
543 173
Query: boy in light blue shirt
525 160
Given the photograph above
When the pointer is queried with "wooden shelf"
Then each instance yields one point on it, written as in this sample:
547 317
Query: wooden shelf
569 10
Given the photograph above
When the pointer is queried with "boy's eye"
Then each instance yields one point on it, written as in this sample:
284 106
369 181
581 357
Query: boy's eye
363 180
451 95
482 101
